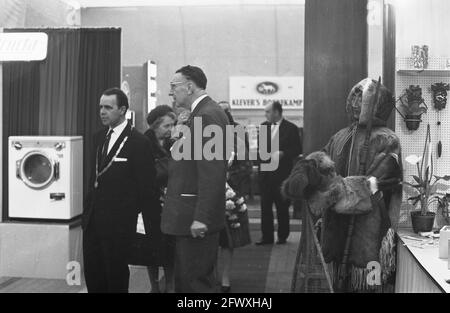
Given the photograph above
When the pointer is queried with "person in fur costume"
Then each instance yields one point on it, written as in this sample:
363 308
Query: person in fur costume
336 191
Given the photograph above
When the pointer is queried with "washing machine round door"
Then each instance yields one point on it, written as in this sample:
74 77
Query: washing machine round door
37 169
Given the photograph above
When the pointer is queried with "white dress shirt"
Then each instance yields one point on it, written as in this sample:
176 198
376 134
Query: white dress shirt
197 101
276 127
116 132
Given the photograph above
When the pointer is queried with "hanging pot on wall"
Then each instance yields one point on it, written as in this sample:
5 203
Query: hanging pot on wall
422 223
413 121
412 106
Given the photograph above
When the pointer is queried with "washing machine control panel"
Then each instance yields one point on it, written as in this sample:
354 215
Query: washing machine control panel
58 146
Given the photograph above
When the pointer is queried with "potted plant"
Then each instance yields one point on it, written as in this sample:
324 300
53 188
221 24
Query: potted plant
412 107
424 190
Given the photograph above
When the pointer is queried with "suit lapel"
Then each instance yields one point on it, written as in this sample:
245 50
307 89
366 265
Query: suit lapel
197 109
126 132
281 129
100 147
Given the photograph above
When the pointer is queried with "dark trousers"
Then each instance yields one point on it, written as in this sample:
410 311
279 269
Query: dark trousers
195 264
105 263
268 198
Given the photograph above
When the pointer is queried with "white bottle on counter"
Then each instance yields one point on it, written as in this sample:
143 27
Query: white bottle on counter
444 236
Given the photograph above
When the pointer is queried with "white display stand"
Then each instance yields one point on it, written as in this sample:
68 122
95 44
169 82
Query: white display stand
39 250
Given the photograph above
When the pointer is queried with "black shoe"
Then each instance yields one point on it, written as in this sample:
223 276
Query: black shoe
264 242
226 289
281 242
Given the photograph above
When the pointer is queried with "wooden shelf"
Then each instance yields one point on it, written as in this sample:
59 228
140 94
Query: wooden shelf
434 72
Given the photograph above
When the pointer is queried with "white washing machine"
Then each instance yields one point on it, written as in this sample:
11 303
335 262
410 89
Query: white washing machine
45 177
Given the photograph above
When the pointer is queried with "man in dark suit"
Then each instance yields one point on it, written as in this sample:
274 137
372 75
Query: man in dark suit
121 185
270 181
194 210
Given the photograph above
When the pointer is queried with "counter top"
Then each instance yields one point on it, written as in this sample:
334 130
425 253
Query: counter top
426 252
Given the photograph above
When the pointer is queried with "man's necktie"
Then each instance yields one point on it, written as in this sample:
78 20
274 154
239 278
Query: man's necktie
273 129
105 147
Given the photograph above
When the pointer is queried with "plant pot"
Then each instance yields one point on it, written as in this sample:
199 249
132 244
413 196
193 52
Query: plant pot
412 122
422 223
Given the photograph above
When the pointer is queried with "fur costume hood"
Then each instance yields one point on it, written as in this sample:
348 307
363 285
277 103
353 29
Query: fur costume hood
359 100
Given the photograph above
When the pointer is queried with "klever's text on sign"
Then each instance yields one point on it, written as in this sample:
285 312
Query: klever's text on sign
256 92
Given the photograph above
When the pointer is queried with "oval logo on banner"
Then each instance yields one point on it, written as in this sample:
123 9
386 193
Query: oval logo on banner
267 88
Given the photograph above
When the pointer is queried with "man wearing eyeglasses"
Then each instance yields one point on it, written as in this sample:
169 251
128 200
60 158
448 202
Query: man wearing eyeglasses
194 210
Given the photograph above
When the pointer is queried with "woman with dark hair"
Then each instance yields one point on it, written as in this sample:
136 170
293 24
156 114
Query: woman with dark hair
161 121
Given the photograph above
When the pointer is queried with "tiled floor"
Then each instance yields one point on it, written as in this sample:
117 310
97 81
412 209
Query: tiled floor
256 269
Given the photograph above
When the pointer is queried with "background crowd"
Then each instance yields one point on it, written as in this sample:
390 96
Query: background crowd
190 207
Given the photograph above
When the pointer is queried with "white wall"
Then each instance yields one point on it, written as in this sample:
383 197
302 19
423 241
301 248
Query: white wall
235 40
375 38
37 13
51 13
423 22
12 13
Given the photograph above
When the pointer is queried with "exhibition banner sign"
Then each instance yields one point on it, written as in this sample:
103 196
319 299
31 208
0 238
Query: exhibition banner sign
256 92
23 46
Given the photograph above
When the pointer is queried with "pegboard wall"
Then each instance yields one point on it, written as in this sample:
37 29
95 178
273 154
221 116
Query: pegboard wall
412 142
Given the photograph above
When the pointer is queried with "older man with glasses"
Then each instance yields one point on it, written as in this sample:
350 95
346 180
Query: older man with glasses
194 211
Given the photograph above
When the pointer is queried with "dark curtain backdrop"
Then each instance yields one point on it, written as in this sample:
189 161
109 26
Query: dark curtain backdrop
20 109
99 69
59 84
59 96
